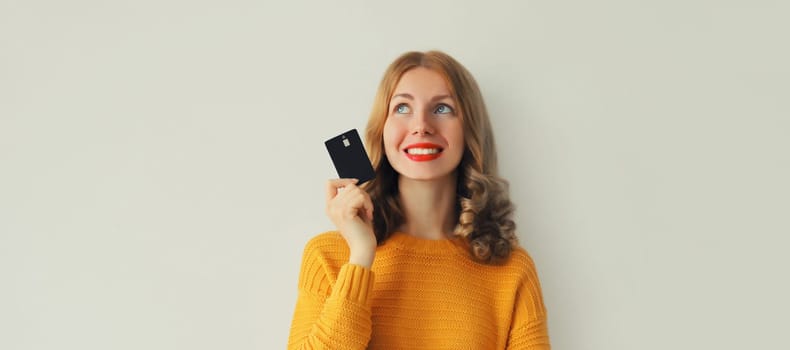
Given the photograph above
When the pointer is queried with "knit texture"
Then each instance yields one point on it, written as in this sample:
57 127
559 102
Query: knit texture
419 294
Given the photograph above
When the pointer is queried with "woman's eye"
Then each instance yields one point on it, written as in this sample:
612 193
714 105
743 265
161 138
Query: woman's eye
401 109
443 109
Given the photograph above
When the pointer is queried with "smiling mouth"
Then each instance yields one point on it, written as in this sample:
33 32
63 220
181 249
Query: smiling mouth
423 152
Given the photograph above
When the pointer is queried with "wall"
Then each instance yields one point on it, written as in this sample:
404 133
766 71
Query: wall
162 162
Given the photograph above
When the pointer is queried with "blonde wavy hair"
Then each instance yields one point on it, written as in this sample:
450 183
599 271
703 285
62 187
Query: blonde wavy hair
483 207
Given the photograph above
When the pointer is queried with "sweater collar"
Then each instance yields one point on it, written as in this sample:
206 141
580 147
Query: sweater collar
429 246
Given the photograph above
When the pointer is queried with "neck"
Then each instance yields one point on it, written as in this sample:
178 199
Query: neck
428 206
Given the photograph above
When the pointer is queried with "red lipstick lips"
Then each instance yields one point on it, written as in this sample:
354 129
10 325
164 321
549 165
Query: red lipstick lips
423 151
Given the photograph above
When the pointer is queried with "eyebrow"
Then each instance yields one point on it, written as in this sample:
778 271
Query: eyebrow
409 96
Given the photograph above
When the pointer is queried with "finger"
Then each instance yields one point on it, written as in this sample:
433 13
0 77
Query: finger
368 205
360 199
333 185
347 202
361 202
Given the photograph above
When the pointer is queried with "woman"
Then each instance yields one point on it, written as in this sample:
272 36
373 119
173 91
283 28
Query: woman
425 255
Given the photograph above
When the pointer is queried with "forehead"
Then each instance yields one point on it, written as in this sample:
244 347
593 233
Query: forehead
422 81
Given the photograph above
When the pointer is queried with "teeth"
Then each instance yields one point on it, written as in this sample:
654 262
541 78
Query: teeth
422 150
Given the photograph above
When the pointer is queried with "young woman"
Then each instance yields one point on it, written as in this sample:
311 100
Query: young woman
425 255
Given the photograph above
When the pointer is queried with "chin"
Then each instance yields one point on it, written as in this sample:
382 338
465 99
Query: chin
425 176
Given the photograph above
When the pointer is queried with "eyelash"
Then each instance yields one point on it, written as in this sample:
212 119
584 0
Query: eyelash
450 109
398 106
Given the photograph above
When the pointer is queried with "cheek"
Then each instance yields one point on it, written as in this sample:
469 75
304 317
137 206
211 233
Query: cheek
392 137
456 135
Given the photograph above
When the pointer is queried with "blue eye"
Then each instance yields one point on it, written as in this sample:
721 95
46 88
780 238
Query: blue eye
401 109
443 109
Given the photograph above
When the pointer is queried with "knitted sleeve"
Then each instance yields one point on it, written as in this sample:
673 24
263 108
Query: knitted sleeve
529 329
333 309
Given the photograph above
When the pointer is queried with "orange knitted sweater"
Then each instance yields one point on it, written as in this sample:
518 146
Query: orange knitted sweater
419 294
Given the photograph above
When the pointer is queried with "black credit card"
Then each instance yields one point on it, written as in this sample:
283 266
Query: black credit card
349 156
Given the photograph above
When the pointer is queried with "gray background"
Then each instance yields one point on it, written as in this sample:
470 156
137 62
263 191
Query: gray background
162 162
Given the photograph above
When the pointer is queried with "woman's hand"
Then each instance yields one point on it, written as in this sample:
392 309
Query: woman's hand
351 210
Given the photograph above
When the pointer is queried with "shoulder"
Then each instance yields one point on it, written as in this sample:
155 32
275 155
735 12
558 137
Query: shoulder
519 256
528 293
327 248
324 255
520 263
329 240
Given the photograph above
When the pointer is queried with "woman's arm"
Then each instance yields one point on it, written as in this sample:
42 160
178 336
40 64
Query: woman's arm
528 328
532 335
333 308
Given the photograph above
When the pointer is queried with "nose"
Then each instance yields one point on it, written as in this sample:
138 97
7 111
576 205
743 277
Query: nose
421 124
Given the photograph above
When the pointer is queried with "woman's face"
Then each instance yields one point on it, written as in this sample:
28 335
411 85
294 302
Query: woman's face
423 135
